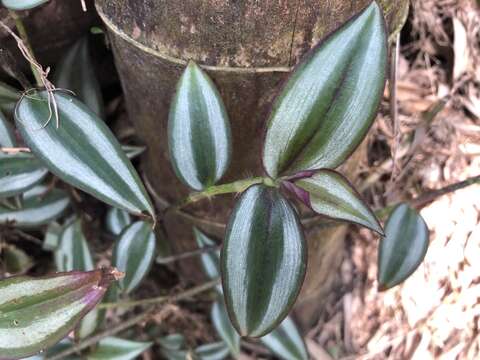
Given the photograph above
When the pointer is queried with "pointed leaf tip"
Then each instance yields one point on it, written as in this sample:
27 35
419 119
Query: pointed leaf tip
263 261
403 248
199 135
331 99
82 151
330 194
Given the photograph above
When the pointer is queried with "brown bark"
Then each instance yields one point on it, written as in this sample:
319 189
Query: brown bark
246 47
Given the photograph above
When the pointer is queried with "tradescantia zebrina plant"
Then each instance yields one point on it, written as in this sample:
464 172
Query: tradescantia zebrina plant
318 119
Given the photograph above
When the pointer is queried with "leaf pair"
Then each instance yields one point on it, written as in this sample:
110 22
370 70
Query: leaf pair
320 117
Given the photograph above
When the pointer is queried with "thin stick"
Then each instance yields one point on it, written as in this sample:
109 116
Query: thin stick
161 299
392 85
187 254
14 150
133 321
426 198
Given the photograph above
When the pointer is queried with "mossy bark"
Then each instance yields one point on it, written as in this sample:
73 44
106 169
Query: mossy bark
247 47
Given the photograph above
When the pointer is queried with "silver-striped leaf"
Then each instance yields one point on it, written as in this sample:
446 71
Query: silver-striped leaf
403 248
134 254
263 261
199 136
286 342
331 99
40 206
82 151
329 193
75 72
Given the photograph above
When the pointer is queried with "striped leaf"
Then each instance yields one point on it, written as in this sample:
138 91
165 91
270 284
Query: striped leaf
117 220
210 259
263 261
73 254
40 206
39 312
82 151
403 248
329 193
75 72
286 342
224 327
112 348
134 254
18 173
331 99
198 130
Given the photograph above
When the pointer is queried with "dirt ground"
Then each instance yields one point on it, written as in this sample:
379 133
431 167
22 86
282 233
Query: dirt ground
434 141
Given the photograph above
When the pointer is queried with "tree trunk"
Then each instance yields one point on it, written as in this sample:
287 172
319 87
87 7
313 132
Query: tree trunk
247 47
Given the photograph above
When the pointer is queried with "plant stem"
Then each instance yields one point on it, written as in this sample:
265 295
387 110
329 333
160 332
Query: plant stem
233 187
24 36
429 196
161 299
134 320
186 254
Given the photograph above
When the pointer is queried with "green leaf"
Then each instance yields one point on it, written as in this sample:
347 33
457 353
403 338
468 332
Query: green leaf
8 97
331 99
18 173
117 220
210 259
172 342
198 130
286 342
403 248
82 151
40 206
7 138
329 193
134 254
39 312
213 351
75 72
51 241
224 327
263 261
113 348
22 4
16 261
73 252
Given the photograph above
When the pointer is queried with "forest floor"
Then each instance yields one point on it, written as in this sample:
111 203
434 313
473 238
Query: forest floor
434 140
